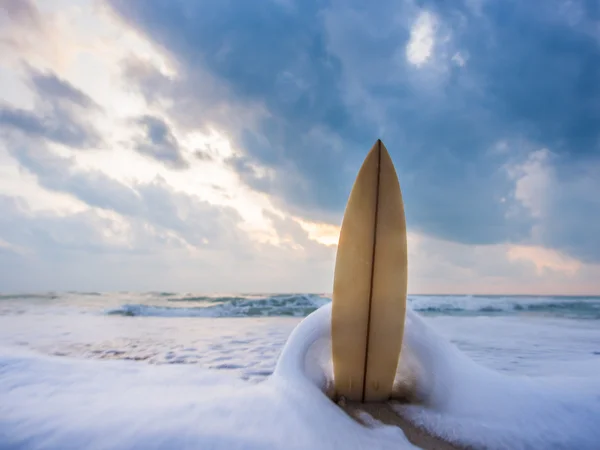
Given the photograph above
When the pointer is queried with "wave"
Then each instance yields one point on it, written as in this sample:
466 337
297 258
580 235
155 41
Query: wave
300 305
30 296
297 305
572 307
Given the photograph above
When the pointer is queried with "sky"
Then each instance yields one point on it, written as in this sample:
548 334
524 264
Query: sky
211 146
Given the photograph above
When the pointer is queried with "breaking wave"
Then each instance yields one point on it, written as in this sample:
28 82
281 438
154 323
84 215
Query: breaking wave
300 305
295 305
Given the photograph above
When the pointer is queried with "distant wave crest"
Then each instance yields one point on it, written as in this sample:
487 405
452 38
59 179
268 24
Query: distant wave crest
575 307
300 305
294 305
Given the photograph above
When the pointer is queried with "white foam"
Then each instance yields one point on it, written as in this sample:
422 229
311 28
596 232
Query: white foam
60 403
475 406
466 403
66 403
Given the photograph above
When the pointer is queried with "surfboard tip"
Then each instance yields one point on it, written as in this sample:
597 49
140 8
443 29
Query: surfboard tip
380 150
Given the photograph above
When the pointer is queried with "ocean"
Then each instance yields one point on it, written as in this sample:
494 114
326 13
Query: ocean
186 370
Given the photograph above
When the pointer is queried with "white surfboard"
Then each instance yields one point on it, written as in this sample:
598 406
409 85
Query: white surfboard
370 283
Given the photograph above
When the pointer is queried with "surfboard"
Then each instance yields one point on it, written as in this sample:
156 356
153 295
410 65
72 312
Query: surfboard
370 283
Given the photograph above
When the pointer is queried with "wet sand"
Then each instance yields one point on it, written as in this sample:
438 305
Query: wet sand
384 413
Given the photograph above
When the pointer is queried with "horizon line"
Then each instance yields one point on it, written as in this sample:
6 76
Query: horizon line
233 293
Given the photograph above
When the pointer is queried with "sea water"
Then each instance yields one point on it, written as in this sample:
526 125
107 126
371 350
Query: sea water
172 370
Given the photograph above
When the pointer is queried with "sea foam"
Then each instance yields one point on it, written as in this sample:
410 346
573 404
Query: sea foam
63 403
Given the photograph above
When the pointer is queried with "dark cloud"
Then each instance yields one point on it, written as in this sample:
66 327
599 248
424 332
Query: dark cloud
60 174
206 153
57 126
327 78
60 114
536 66
159 142
292 76
148 79
24 11
47 85
203 155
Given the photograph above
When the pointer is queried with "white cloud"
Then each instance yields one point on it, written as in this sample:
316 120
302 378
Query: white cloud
545 259
14 181
422 39
92 59
460 59
533 181
556 194
439 266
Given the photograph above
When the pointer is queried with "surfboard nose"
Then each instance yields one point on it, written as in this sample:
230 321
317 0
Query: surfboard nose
370 281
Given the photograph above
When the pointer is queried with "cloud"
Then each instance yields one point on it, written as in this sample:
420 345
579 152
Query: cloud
86 250
196 222
422 39
545 260
61 114
58 236
442 267
290 93
28 34
329 85
560 195
158 142
154 239
49 86
23 11
80 248
252 121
